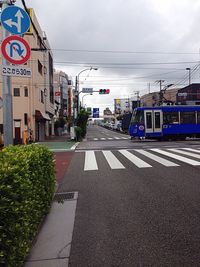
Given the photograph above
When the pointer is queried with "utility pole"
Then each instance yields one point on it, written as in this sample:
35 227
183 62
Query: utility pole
138 98
189 69
160 93
149 87
7 93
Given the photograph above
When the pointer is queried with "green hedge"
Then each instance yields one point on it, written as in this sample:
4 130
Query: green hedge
27 184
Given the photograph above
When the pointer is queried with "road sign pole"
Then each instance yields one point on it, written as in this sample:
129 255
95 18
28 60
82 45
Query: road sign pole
7 98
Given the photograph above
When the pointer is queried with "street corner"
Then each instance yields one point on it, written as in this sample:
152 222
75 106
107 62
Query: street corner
62 162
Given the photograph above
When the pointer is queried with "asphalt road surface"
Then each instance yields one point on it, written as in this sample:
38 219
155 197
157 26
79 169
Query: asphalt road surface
138 204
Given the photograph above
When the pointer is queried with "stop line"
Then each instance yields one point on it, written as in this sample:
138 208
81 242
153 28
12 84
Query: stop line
183 155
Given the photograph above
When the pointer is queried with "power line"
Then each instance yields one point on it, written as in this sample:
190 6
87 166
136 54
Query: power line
124 52
128 64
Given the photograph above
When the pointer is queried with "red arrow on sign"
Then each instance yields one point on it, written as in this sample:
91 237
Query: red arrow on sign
15 50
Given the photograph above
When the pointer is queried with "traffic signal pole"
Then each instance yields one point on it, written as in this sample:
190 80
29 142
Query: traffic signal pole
7 95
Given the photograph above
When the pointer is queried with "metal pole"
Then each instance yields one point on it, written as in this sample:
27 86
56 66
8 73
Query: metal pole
76 99
7 97
189 69
189 76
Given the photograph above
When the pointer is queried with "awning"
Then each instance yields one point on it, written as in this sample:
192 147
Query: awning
41 116
46 116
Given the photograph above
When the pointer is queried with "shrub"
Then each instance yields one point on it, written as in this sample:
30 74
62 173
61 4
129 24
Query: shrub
27 184
78 132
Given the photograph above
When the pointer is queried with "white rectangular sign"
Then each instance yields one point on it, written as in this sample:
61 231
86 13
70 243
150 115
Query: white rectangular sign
87 90
16 71
182 94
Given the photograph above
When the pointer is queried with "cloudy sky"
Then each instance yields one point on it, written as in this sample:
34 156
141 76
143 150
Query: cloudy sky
132 43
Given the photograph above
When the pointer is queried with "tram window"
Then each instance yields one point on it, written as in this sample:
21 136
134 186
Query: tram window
198 117
157 119
187 117
138 117
149 119
170 117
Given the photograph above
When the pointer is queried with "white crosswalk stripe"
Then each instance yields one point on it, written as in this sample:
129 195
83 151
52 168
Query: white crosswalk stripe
90 161
111 138
185 153
175 156
135 160
112 160
158 159
191 149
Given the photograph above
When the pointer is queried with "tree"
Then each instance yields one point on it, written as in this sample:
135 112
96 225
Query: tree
82 121
59 123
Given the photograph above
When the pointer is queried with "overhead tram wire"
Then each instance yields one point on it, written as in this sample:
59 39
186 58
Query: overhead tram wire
129 64
185 78
124 52
35 28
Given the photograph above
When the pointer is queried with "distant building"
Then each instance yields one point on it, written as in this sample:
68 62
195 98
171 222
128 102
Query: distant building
108 115
122 105
165 97
107 111
61 93
189 95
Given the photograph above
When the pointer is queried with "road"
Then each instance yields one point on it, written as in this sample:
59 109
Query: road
138 204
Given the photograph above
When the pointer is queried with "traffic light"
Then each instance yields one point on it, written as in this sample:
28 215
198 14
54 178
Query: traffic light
104 91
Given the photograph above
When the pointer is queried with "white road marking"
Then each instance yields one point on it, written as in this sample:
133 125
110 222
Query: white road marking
112 160
171 155
191 149
95 139
135 160
90 161
110 138
103 138
185 153
160 160
116 137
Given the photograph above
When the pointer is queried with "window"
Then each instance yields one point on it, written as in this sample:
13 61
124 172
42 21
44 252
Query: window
188 117
16 92
42 96
157 119
1 128
170 117
25 91
39 67
198 116
138 116
25 118
149 119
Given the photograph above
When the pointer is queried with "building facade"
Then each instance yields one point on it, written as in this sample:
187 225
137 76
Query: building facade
189 95
33 98
159 98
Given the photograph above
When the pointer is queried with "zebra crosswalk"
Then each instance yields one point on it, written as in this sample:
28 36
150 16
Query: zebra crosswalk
110 138
168 157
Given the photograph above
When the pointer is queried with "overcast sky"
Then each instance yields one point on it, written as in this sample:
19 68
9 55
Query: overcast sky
125 40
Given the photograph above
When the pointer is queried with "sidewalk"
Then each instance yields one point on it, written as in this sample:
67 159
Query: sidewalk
59 143
53 242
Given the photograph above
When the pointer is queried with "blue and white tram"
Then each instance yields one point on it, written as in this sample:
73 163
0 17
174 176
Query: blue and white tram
165 122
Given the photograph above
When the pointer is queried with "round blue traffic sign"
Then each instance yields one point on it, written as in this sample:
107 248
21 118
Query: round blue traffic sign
15 20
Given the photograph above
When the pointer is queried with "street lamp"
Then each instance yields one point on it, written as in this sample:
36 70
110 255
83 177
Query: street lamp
189 69
83 97
77 85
